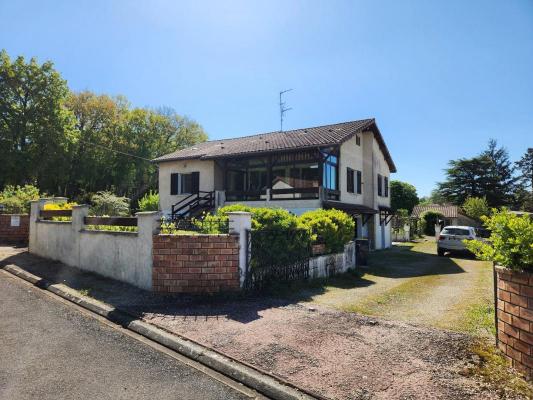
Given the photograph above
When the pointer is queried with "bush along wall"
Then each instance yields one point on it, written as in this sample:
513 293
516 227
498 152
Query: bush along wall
510 247
279 237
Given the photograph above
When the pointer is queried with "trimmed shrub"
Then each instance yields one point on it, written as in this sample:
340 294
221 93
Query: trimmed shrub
510 243
332 227
278 237
149 202
107 203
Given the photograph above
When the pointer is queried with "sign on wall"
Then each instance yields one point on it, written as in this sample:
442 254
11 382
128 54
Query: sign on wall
15 220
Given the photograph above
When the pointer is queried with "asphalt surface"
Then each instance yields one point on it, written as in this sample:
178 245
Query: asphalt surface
50 350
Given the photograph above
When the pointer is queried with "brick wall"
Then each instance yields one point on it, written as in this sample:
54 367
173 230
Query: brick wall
14 234
195 263
515 318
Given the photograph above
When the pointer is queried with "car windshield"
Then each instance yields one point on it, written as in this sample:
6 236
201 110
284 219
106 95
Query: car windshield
456 231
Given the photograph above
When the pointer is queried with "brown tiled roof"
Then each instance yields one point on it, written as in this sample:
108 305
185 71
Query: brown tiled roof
327 135
447 210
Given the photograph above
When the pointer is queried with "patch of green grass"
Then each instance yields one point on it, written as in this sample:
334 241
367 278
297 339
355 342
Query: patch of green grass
494 370
479 320
84 292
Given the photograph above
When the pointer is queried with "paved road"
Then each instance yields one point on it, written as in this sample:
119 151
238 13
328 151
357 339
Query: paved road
50 350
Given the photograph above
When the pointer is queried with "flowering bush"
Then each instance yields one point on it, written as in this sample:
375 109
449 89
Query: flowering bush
510 243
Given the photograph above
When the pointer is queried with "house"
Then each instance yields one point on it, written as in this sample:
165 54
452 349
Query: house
346 166
452 215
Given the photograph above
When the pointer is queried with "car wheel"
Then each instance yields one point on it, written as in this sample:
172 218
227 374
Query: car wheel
440 252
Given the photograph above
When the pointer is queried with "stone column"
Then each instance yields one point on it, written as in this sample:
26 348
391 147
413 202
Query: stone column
240 223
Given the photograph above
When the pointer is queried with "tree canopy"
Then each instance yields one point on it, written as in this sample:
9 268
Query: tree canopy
75 144
489 175
476 207
403 196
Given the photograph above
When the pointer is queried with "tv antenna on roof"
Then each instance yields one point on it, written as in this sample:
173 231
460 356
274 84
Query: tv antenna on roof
282 109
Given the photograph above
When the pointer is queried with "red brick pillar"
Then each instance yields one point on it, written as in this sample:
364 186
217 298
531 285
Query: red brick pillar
515 317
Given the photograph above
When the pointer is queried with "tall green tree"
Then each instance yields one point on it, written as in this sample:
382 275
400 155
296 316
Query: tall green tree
525 166
36 130
403 196
489 175
80 143
476 207
115 143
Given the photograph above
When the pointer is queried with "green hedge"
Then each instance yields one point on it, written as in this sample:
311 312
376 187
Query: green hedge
334 228
280 237
510 243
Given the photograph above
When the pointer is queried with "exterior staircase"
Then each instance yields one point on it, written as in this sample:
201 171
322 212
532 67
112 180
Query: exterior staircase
194 205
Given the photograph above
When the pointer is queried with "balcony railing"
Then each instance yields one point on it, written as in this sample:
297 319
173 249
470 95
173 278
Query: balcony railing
273 194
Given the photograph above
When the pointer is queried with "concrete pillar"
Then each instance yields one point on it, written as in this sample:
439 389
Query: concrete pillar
78 215
268 195
148 224
437 231
220 198
407 232
240 223
35 210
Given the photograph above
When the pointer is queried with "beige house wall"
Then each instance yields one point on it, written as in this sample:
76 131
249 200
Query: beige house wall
206 168
351 156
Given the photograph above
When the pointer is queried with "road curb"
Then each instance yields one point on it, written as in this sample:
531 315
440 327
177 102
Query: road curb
265 384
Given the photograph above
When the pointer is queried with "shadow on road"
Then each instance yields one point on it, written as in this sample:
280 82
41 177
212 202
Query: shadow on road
242 307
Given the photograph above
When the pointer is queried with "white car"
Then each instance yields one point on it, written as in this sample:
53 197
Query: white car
451 238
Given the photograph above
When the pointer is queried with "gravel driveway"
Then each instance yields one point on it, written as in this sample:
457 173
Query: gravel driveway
333 352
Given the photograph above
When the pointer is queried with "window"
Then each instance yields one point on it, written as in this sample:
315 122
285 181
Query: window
184 183
386 186
330 172
349 180
359 182
358 140
380 185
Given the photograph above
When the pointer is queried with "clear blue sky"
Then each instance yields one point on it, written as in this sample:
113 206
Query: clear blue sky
440 77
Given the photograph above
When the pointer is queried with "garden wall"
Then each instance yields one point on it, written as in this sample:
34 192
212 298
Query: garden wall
14 228
195 263
515 317
125 256
331 264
